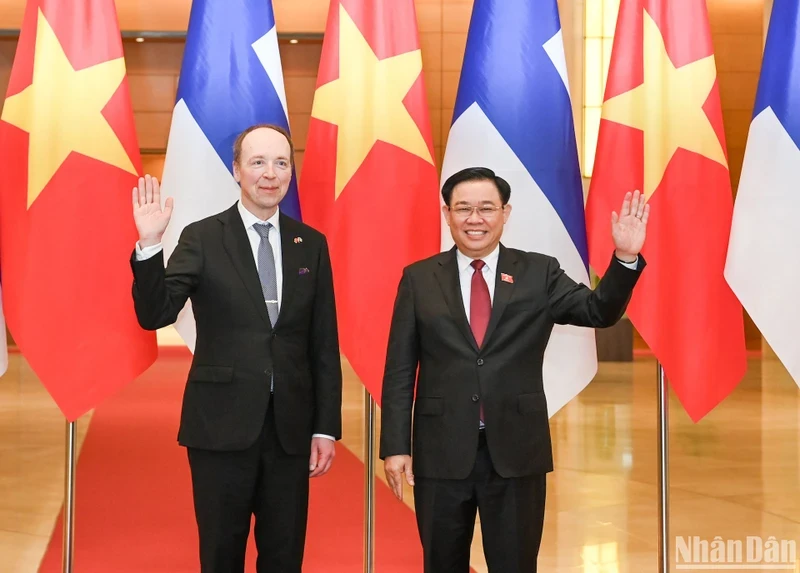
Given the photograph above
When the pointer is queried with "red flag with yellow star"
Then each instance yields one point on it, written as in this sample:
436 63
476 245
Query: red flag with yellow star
368 179
661 132
68 161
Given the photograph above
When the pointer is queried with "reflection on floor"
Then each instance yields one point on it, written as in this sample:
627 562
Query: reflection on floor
734 475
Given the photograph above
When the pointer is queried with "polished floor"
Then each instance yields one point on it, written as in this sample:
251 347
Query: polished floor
734 475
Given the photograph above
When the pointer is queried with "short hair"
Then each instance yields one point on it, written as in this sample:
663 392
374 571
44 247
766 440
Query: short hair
475 174
237 145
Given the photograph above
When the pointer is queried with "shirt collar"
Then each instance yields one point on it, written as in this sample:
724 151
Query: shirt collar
249 219
491 259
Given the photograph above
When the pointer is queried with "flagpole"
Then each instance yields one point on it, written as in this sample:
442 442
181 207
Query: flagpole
68 553
663 472
369 482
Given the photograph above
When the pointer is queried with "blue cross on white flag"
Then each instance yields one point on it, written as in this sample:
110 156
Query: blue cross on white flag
231 78
762 266
513 115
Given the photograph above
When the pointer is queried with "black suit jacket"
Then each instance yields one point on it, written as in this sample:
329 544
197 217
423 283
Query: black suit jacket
430 331
237 351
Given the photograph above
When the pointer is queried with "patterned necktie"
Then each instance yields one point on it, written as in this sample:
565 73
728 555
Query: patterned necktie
480 303
266 271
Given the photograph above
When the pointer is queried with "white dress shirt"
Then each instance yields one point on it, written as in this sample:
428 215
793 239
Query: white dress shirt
255 240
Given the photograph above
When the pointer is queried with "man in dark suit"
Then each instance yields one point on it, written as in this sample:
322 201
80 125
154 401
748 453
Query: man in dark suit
475 322
262 405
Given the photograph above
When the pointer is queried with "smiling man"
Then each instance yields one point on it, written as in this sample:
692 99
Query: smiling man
474 322
262 405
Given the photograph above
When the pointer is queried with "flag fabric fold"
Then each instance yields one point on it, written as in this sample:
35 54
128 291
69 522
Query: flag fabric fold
231 78
368 180
661 132
68 162
764 232
526 135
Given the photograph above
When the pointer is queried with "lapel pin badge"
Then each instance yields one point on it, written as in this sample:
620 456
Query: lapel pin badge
506 278
303 271
298 240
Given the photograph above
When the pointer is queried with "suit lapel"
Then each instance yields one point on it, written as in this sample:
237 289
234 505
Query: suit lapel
234 239
502 290
291 255
448 277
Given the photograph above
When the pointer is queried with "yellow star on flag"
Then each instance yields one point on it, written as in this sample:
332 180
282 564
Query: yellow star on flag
62 111
366 102
668 108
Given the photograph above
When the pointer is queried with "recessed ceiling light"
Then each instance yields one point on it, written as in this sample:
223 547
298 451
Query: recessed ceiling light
140 40
293 41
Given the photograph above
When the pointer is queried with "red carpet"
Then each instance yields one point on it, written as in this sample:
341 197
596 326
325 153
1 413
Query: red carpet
134 507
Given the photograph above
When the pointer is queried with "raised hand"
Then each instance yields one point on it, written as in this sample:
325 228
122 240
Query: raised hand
629 227
151 221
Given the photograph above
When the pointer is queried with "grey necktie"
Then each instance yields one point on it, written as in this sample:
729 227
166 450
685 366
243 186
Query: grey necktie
266 271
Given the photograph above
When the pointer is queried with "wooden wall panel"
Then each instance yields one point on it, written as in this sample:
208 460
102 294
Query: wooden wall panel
735 16
7 49
429 16
152 92
292 16
153 164
154 57
738 28
301 59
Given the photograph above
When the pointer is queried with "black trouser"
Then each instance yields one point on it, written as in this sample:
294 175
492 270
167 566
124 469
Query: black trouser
511 511
230 487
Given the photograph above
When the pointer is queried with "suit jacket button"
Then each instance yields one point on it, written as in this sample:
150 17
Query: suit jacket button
475 398
480 361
